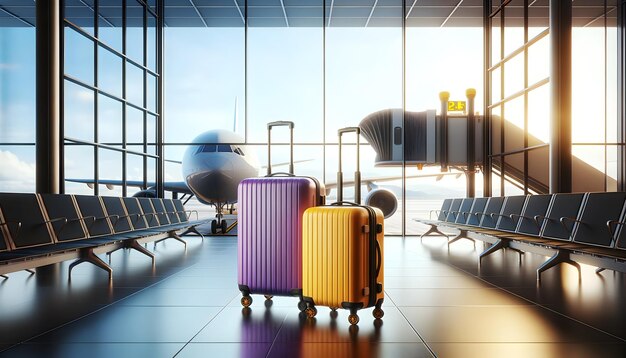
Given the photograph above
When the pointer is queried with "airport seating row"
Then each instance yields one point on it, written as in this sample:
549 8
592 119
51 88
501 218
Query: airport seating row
571 228
43 229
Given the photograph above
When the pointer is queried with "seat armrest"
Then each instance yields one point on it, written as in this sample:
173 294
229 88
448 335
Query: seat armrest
430 213
563 219
610 224
18 224
63 219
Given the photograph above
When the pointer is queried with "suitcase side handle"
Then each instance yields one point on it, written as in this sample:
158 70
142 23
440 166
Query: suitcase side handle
357 173
269 144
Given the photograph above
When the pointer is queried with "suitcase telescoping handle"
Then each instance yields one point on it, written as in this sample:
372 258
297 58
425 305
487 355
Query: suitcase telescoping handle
357 173
269 144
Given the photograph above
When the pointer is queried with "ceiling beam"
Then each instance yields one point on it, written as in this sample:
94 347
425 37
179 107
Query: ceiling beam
243 18
451 13
600 16
198 12
16 17
411 9
282 4
371 12
330 14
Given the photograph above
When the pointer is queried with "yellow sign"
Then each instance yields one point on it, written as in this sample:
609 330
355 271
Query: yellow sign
456 106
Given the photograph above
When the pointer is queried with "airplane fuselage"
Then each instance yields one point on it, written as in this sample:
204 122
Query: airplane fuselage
213 171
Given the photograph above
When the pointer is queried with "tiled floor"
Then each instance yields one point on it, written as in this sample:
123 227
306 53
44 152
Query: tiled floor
439 302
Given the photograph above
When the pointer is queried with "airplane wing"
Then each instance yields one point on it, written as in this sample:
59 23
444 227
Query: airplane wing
178 186
371 180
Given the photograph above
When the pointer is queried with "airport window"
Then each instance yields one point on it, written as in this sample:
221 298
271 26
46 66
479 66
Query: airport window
519 104
111 110
17 100
324 66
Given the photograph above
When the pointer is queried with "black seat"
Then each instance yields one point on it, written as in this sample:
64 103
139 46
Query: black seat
135 213
454 210
23 221
120 219
94 215
464 211
511 210
171 211
157 204
598 209
149 213
476 212
67 223
562 206
493 208
536 207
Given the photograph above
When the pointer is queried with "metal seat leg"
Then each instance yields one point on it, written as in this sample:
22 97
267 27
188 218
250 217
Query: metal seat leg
87 255
461 235
432 230
561 257
194 230
133 244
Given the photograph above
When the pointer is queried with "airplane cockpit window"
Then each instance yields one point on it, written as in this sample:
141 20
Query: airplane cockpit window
210 148
224 148
239 151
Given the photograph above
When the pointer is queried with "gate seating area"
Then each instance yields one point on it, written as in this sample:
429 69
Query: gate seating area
43 229
587 228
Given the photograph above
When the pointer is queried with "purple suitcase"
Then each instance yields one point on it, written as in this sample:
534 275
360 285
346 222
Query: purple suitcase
270 229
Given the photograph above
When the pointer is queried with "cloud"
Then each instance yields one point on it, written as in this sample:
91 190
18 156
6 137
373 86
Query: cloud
15 174
8 66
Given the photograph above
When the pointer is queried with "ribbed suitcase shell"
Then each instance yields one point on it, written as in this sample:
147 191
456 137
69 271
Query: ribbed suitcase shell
336 255
270 232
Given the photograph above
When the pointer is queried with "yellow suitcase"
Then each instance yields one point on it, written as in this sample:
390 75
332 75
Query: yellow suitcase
342 254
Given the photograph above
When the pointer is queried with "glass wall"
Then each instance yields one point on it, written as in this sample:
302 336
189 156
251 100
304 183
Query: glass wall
17 99
323 65
110 106
519 100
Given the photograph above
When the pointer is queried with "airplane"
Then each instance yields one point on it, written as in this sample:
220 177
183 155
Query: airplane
212 173
214 164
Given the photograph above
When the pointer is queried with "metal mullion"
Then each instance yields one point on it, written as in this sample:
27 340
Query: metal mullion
124 141
605 95
105 45
107 94
499 9
520 93
526 96
487 84
145 102
17 144
502 107
160 165
96 157
75 141
62 101
524 47
404 116
521 150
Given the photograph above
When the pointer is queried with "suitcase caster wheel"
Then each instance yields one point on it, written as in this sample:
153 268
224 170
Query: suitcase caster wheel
310 311
378 313
246 301
268 297
302 306
353 319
